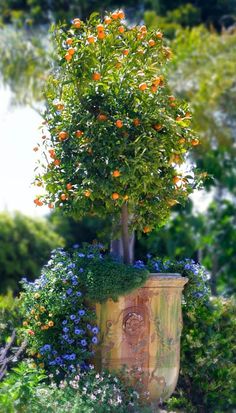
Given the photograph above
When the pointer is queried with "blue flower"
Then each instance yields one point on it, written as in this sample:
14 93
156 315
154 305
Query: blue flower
81 255
95 330
70 273
81 312
76 246
77 321
90 255
58 360
75 282
78 293
64 322
47 347
94 340
65 329
89 326
78 331
72 317
71 341
72 265
65 336
72 356
81 270
52 363
139 264
83 343
69 291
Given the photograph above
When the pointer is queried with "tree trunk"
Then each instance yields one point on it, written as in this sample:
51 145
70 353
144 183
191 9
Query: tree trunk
123 247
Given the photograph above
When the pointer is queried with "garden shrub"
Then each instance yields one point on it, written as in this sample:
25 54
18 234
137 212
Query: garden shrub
10 316
25 391
207 382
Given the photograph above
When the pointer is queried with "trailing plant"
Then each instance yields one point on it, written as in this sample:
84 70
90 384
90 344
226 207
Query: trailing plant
59 327
105 277
106 153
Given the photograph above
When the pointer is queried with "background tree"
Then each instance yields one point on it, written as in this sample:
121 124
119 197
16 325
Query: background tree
25 245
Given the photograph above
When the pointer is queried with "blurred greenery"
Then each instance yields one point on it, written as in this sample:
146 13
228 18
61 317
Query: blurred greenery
208 373
25 245
10 317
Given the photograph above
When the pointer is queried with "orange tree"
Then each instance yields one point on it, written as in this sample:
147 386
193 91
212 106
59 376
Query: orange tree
117 137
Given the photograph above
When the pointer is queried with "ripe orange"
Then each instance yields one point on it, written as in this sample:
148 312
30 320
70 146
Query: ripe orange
63 135
176 179
52 153
69 186
188 115
156 81
178 119
77 23
118 65
79 133
115 196
69 41
143 86
91 39
57 162
154 88
136 122
121 29
182 140
101 35
107 20
171 98
100 28
115 15
87 193
63 197
151 43
159 35
116 173
51 206
68 57
143 28
60 106
195 142
121 14
96 76
126 52
102 117
157 127
40 203
119 123
71 51
146 229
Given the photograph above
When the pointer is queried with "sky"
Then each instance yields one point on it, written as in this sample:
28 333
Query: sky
19 133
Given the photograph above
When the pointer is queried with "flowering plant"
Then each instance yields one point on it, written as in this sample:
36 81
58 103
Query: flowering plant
59 327
106 151
197 289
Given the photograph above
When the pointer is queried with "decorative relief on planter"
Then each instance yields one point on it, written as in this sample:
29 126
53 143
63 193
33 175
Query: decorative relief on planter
142 331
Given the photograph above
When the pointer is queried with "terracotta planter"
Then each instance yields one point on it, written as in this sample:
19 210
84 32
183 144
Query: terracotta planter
142 332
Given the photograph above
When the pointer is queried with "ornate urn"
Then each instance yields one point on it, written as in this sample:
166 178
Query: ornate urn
141 332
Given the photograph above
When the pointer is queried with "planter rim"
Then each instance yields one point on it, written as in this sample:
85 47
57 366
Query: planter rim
168 280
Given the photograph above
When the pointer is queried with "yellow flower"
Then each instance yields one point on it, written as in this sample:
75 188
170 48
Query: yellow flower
38 356
51 323
50 314
36 295
25 323
41 365
42 308
32 311
36 317
39 323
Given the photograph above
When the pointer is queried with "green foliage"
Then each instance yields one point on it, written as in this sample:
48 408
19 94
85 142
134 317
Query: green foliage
128 140
185 15
25 62
103 277
208 373
57 324
212 60
25 245
24 392
10 317
17 390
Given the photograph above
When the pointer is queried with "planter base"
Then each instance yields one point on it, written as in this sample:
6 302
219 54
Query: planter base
141 332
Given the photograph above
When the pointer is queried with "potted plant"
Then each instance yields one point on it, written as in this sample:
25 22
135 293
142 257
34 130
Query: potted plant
116 143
